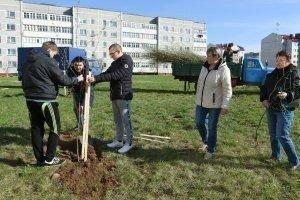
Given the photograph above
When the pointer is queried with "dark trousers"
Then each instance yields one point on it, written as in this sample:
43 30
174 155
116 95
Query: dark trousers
39 113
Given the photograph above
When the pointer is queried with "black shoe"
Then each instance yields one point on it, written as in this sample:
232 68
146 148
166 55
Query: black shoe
54 162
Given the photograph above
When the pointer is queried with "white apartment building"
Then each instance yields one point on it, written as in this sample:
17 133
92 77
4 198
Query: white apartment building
274 43
29 25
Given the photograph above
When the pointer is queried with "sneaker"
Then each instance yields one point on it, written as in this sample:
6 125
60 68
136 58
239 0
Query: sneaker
204 147
125 148
115 144
54 161
208 156
295 167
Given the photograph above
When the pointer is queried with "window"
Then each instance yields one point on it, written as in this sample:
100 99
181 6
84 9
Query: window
10 27
93 44
93 33
104 22
104 34
83 43
26 15
113 24
31 15
165 38
83 21
12 64
104 55
113 35
11 52
52 17
0 64
0 51
104 44
11 39
166 28
11 14
92 21
83 32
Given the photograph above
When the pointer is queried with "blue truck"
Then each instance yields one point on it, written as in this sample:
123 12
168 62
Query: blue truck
63 58
250 72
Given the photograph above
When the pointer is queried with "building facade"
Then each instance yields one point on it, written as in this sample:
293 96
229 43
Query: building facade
274 43
29 25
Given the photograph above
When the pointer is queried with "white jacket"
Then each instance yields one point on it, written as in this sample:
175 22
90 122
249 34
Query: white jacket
214 87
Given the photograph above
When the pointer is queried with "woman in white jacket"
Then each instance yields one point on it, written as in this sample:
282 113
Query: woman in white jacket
212 98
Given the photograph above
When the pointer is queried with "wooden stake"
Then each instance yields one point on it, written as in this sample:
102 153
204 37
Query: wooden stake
86 120
152 140
155 136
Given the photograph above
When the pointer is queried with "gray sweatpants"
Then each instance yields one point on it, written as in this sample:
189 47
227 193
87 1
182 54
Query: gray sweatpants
122 111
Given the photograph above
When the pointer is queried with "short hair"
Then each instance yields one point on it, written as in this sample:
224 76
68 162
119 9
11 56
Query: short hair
50 45
80 59
283 54
215 51
116 47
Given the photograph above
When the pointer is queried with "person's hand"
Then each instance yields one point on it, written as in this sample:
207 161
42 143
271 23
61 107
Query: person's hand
80 78
266 103
281 95
224 111
90 79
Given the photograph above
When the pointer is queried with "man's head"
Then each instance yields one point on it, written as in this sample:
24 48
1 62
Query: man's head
78 63
51 47
282 59
115 51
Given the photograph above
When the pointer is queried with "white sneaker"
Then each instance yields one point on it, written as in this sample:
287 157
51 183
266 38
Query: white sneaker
125 148
204 147
208 156
295 167
115 144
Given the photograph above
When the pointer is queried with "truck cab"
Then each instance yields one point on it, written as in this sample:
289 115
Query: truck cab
254 72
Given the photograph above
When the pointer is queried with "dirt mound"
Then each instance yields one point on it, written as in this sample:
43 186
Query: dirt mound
90 179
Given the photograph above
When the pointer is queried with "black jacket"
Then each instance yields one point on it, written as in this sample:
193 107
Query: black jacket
41 77
78 90
282 80
119 74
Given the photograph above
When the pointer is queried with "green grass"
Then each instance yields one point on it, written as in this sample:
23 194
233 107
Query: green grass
175 170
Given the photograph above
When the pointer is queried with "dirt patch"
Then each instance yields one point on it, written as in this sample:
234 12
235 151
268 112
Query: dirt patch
90 179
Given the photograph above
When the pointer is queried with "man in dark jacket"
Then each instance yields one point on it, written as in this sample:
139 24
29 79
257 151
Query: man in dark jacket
119 74
40 81
79 66
280 96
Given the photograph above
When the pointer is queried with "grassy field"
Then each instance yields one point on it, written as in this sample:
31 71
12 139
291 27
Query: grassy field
175 170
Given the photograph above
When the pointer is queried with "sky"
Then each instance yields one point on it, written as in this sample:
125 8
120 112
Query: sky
243 22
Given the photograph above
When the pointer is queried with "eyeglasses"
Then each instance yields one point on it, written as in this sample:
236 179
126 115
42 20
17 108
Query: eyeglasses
112 53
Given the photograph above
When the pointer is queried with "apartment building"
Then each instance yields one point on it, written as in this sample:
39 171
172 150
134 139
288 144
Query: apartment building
274 43
30 24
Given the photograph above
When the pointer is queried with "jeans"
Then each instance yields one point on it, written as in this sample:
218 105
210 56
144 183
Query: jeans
122 110
279 124
208 131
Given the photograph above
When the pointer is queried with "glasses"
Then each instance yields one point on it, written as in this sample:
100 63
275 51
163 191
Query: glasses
112 53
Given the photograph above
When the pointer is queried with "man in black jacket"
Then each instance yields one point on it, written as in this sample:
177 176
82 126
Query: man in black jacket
119 74
40 81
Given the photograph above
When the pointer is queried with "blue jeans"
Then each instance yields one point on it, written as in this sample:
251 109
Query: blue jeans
208 132
279 124
122 111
